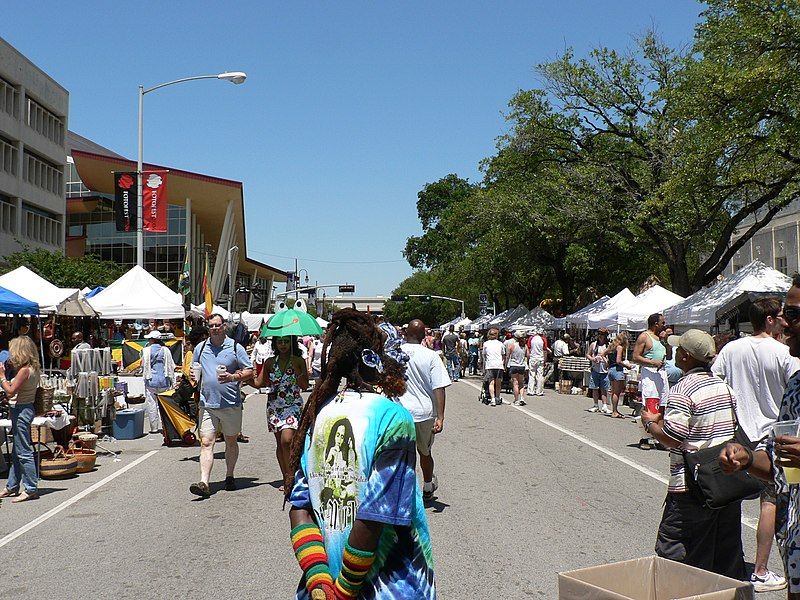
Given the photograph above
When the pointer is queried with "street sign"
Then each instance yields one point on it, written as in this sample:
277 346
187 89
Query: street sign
347 289
483 302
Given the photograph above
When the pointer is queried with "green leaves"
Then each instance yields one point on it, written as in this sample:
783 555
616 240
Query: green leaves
86 271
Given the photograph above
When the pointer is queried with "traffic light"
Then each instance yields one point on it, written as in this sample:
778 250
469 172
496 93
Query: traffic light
398 298
425 299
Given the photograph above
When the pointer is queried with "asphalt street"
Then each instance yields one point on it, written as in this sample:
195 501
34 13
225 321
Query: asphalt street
524 494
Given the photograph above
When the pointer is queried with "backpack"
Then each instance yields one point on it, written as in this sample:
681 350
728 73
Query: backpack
239 334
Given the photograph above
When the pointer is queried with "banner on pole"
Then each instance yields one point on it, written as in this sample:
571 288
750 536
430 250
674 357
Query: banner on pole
125 201
154 201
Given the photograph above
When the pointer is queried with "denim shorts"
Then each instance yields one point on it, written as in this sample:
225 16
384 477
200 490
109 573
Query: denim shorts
616 375
598 381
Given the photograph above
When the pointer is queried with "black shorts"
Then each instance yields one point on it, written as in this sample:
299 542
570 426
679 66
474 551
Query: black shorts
492 374
516 370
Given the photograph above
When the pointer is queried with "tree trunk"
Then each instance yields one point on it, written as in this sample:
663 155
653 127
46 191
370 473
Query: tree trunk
679 273
566 282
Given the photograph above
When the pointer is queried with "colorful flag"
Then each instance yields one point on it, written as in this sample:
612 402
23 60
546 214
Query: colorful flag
125 201
207 292
185 278
154 201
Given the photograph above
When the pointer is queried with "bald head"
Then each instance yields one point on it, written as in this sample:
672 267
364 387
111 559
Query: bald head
415 332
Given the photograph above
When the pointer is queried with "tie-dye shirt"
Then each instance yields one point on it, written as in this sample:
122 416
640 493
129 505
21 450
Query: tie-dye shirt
359 463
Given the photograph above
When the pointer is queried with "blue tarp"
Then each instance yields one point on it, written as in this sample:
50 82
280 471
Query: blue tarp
95 291
14 304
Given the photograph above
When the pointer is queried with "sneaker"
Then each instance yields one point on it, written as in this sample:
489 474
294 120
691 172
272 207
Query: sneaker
230 484
644 444
605 410
519 402
593 409
492 402
200 489
428 488
768 582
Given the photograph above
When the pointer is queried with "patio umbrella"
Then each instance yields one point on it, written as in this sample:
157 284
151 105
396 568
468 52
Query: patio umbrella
291 322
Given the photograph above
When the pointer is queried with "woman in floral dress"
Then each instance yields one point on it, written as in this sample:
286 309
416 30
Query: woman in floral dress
287 376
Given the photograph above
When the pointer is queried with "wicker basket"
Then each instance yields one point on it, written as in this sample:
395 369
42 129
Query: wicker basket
86 457
59 466
87 440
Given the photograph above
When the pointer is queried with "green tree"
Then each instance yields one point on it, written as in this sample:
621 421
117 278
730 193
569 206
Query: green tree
62 271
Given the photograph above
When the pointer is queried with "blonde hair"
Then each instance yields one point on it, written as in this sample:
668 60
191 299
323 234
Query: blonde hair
621 339
22 352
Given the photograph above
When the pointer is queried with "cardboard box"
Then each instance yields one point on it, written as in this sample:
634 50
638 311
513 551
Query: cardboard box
650 578
565 386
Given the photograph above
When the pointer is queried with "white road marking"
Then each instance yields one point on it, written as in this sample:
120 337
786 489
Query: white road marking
67 503
751 523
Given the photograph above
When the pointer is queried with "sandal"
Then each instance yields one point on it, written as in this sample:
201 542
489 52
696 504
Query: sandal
617 416
25 496
6 493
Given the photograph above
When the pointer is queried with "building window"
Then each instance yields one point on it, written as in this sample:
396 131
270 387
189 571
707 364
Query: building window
8 215
42 174
75 187
44 122
9 157
41 226
782 265
9 98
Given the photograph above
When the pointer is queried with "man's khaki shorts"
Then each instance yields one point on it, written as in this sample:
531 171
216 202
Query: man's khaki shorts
226 420
425 436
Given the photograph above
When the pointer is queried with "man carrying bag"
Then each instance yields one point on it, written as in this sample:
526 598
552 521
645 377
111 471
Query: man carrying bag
699 414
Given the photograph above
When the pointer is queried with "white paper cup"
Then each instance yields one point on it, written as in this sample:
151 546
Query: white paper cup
197 370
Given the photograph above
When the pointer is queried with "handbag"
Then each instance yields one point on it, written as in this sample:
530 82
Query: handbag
713 487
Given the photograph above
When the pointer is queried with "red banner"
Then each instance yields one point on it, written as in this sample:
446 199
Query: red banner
154 201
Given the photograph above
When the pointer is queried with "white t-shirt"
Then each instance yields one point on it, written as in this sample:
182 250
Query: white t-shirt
758 369
493 352
560 348
425 372
261 352
537 348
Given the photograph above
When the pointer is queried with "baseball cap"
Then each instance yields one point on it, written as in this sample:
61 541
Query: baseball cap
698 344
154 335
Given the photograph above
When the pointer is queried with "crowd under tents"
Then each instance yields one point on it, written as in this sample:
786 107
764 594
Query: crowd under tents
706 307
138 295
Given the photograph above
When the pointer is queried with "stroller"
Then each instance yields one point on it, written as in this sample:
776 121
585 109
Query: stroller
177 426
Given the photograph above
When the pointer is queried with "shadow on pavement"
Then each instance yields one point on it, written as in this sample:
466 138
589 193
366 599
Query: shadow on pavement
434 504
196 457
44 491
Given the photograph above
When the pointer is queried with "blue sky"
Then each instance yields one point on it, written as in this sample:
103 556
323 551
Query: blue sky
348 110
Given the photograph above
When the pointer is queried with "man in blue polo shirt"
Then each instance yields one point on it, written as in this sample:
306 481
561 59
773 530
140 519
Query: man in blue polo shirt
224 365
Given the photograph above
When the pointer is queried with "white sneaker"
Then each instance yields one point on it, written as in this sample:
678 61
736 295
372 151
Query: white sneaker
593 409
605 410
519 402
492 402
428 488
768 582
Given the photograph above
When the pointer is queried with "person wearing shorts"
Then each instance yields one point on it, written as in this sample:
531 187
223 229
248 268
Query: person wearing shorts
598 381
515 363
493 352
224 365
426 380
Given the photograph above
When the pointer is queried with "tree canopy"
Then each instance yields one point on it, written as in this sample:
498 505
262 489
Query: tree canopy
627 165
64 271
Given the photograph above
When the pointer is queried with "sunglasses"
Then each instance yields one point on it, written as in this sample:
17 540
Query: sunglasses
215 326
790 313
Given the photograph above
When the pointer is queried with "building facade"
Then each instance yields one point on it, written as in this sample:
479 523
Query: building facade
33 128
205 214
777 245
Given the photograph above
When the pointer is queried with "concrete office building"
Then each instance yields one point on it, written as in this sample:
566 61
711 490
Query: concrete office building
777 244
33 127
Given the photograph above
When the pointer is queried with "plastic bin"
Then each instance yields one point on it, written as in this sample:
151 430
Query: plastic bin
129 424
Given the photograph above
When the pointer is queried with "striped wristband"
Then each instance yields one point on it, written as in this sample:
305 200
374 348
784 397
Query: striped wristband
312 557
355 566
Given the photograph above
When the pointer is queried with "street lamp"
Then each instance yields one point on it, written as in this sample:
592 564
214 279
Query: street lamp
236 77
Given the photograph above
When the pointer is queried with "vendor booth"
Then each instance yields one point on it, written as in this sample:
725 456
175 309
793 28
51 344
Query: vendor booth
597 314
50 298
704 308
536 320
138 295
653 300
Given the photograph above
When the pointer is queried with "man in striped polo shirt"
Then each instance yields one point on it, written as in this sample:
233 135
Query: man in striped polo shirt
700 412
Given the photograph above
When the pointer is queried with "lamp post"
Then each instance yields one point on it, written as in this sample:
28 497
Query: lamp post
236 77
296 287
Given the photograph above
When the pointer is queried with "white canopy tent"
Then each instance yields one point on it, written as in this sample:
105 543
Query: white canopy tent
506 318
653 300
254 321
50 298
607 317
700 309
480 323
138 295
536 320
457 322
596 314
215 308
322 322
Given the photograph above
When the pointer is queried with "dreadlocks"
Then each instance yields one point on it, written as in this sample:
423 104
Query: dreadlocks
349 332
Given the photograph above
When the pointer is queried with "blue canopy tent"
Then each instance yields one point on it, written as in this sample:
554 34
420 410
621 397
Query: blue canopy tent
95 291
14 304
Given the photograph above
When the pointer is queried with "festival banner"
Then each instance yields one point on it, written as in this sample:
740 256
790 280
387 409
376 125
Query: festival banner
125 201
185 278
154 201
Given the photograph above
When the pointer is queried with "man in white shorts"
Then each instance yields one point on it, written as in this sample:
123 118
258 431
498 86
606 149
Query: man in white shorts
426 380
224 365
651 355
